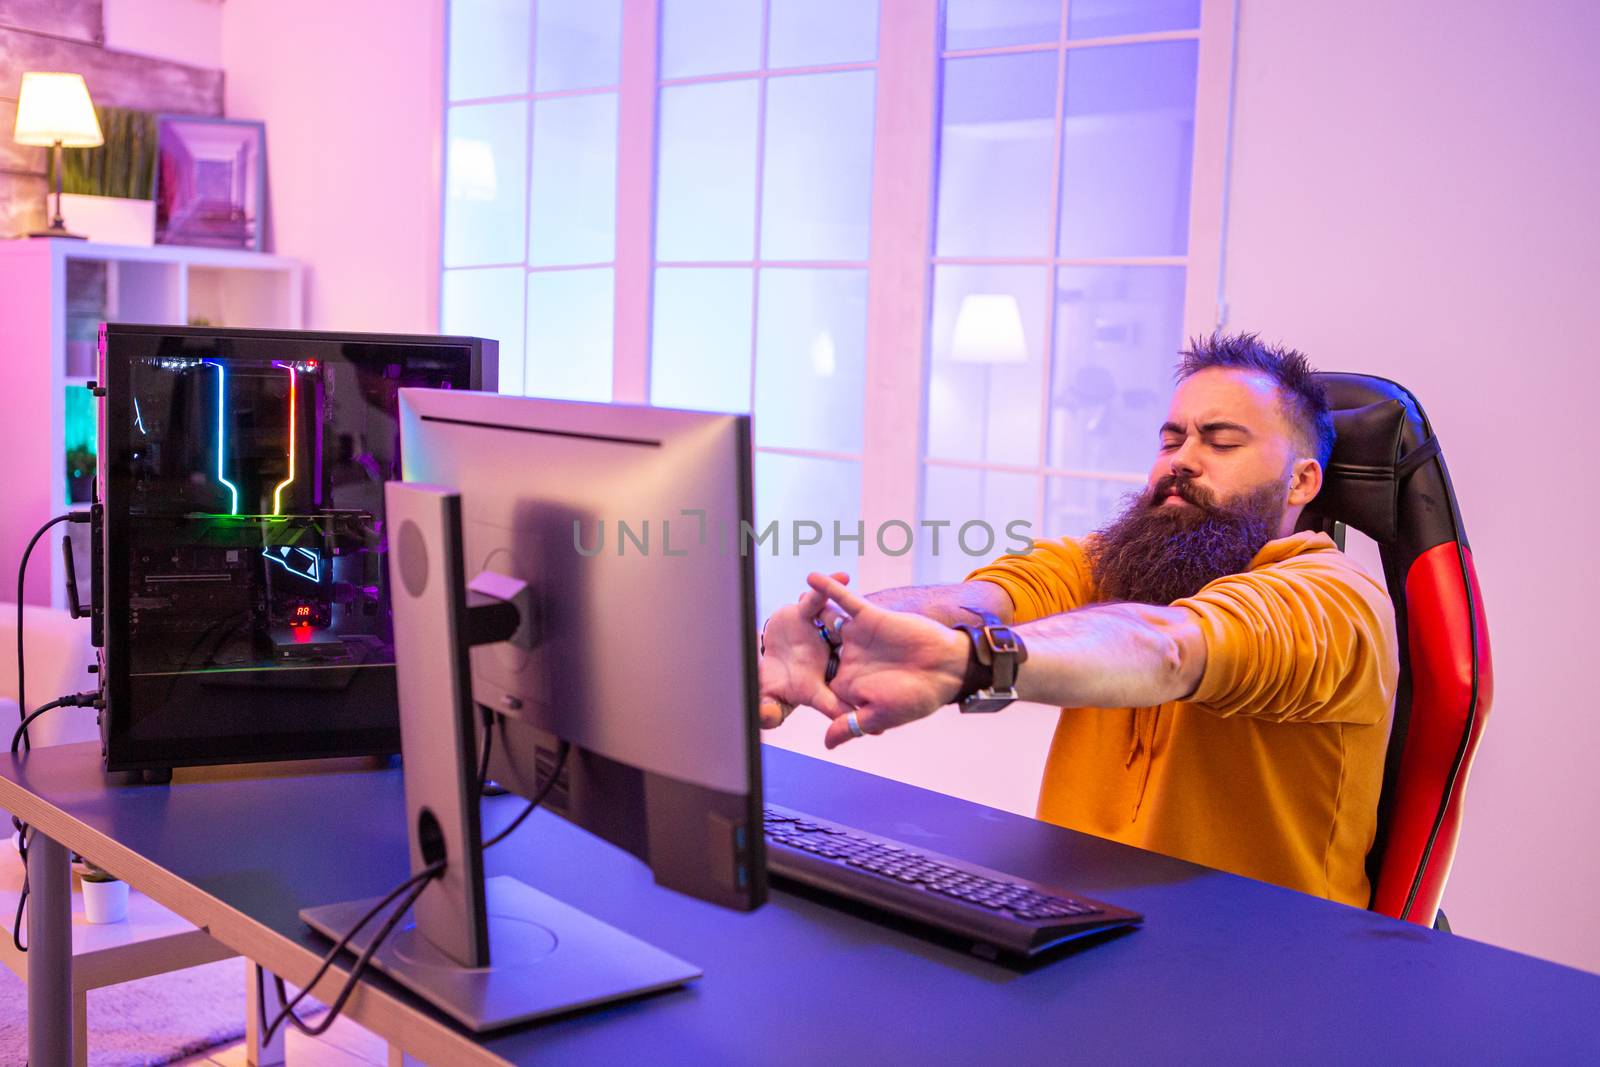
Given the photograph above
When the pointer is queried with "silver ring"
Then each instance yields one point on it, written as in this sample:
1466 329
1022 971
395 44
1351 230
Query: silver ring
837 624
855 725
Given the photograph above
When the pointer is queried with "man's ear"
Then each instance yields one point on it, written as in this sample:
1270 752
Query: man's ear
1305 483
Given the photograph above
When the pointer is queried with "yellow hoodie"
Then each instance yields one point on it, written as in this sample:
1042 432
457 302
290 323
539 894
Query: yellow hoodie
1272 769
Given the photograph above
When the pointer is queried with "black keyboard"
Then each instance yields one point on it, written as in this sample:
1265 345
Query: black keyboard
997 914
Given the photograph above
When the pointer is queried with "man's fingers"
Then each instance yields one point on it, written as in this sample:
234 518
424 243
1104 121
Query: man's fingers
834 590
812 602
828 702
773 712
839 730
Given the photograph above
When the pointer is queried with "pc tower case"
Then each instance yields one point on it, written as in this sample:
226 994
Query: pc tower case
241 587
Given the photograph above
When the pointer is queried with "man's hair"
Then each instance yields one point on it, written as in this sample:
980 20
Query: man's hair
1305 401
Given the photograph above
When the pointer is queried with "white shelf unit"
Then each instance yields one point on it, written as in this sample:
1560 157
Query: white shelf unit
53 295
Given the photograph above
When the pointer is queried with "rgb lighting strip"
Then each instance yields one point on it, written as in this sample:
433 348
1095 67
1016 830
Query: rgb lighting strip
222 433
277 492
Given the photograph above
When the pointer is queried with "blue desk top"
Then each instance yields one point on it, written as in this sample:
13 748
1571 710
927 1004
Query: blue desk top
1224 967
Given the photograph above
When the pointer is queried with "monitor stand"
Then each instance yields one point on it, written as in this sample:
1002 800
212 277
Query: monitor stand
489 953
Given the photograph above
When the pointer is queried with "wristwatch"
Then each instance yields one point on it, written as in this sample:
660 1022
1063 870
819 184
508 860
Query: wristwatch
997 653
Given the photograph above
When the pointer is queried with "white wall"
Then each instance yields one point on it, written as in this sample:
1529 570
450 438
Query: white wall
1413 194
352 94
184 31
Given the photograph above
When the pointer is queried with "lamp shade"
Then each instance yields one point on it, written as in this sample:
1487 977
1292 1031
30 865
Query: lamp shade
55 107
989 330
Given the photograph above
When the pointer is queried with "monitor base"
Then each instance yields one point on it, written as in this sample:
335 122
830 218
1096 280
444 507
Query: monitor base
546 958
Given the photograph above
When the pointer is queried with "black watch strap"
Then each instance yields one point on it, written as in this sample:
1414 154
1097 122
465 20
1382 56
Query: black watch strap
997 653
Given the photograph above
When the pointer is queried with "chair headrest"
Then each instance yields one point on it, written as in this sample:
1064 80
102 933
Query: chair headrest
1380 437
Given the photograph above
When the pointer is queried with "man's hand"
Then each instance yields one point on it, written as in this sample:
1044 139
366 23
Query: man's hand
894 667
794 661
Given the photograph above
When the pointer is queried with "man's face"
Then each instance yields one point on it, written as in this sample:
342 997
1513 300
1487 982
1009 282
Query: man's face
1225 482
1226 436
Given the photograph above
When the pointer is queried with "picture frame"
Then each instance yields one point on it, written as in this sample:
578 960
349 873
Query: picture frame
210 187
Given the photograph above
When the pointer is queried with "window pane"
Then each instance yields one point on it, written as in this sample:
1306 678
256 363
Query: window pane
993 23
1118 331
817 179
811 359
808 33
1077 506
1126 150
706 172
573 205
997 137
488 303
700 341
488 48
569 334
791 489
1110 18
989 513
709 37
578 43
986 363
486 166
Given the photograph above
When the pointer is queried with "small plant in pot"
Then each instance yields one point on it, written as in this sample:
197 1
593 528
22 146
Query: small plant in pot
105 898
108 192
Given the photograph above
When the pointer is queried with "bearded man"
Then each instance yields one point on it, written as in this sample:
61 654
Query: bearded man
1226 683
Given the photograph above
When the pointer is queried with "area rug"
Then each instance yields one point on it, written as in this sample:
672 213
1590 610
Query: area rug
142 1023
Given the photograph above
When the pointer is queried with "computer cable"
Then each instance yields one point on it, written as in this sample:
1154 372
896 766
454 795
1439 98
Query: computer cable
22 571
22 897
74 700
416 884
537 798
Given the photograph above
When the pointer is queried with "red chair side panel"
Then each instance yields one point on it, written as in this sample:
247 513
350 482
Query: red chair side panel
1445 713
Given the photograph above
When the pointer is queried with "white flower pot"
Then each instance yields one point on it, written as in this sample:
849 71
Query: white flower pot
110 219
105 902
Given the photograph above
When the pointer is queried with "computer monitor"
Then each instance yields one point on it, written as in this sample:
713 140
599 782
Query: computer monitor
614 533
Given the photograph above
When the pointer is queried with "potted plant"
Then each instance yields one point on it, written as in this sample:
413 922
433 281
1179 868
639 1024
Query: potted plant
107 192
105 898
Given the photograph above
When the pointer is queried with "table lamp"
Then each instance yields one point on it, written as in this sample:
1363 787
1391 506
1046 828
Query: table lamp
54 109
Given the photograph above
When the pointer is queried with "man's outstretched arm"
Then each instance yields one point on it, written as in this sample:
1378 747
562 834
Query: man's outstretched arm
896 667
947 604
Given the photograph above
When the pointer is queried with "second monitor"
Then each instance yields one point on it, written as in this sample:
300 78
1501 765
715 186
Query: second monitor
629 672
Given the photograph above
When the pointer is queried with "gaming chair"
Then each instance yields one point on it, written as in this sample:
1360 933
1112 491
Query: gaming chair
1387 478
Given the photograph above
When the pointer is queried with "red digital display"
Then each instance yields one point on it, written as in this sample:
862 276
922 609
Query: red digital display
303 611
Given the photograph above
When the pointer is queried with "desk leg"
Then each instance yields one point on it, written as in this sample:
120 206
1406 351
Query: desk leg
49 954
259 990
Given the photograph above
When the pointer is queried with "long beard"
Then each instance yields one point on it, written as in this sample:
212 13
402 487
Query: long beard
1153 554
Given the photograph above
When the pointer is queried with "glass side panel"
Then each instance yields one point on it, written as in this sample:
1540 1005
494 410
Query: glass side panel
997 136
1127 148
